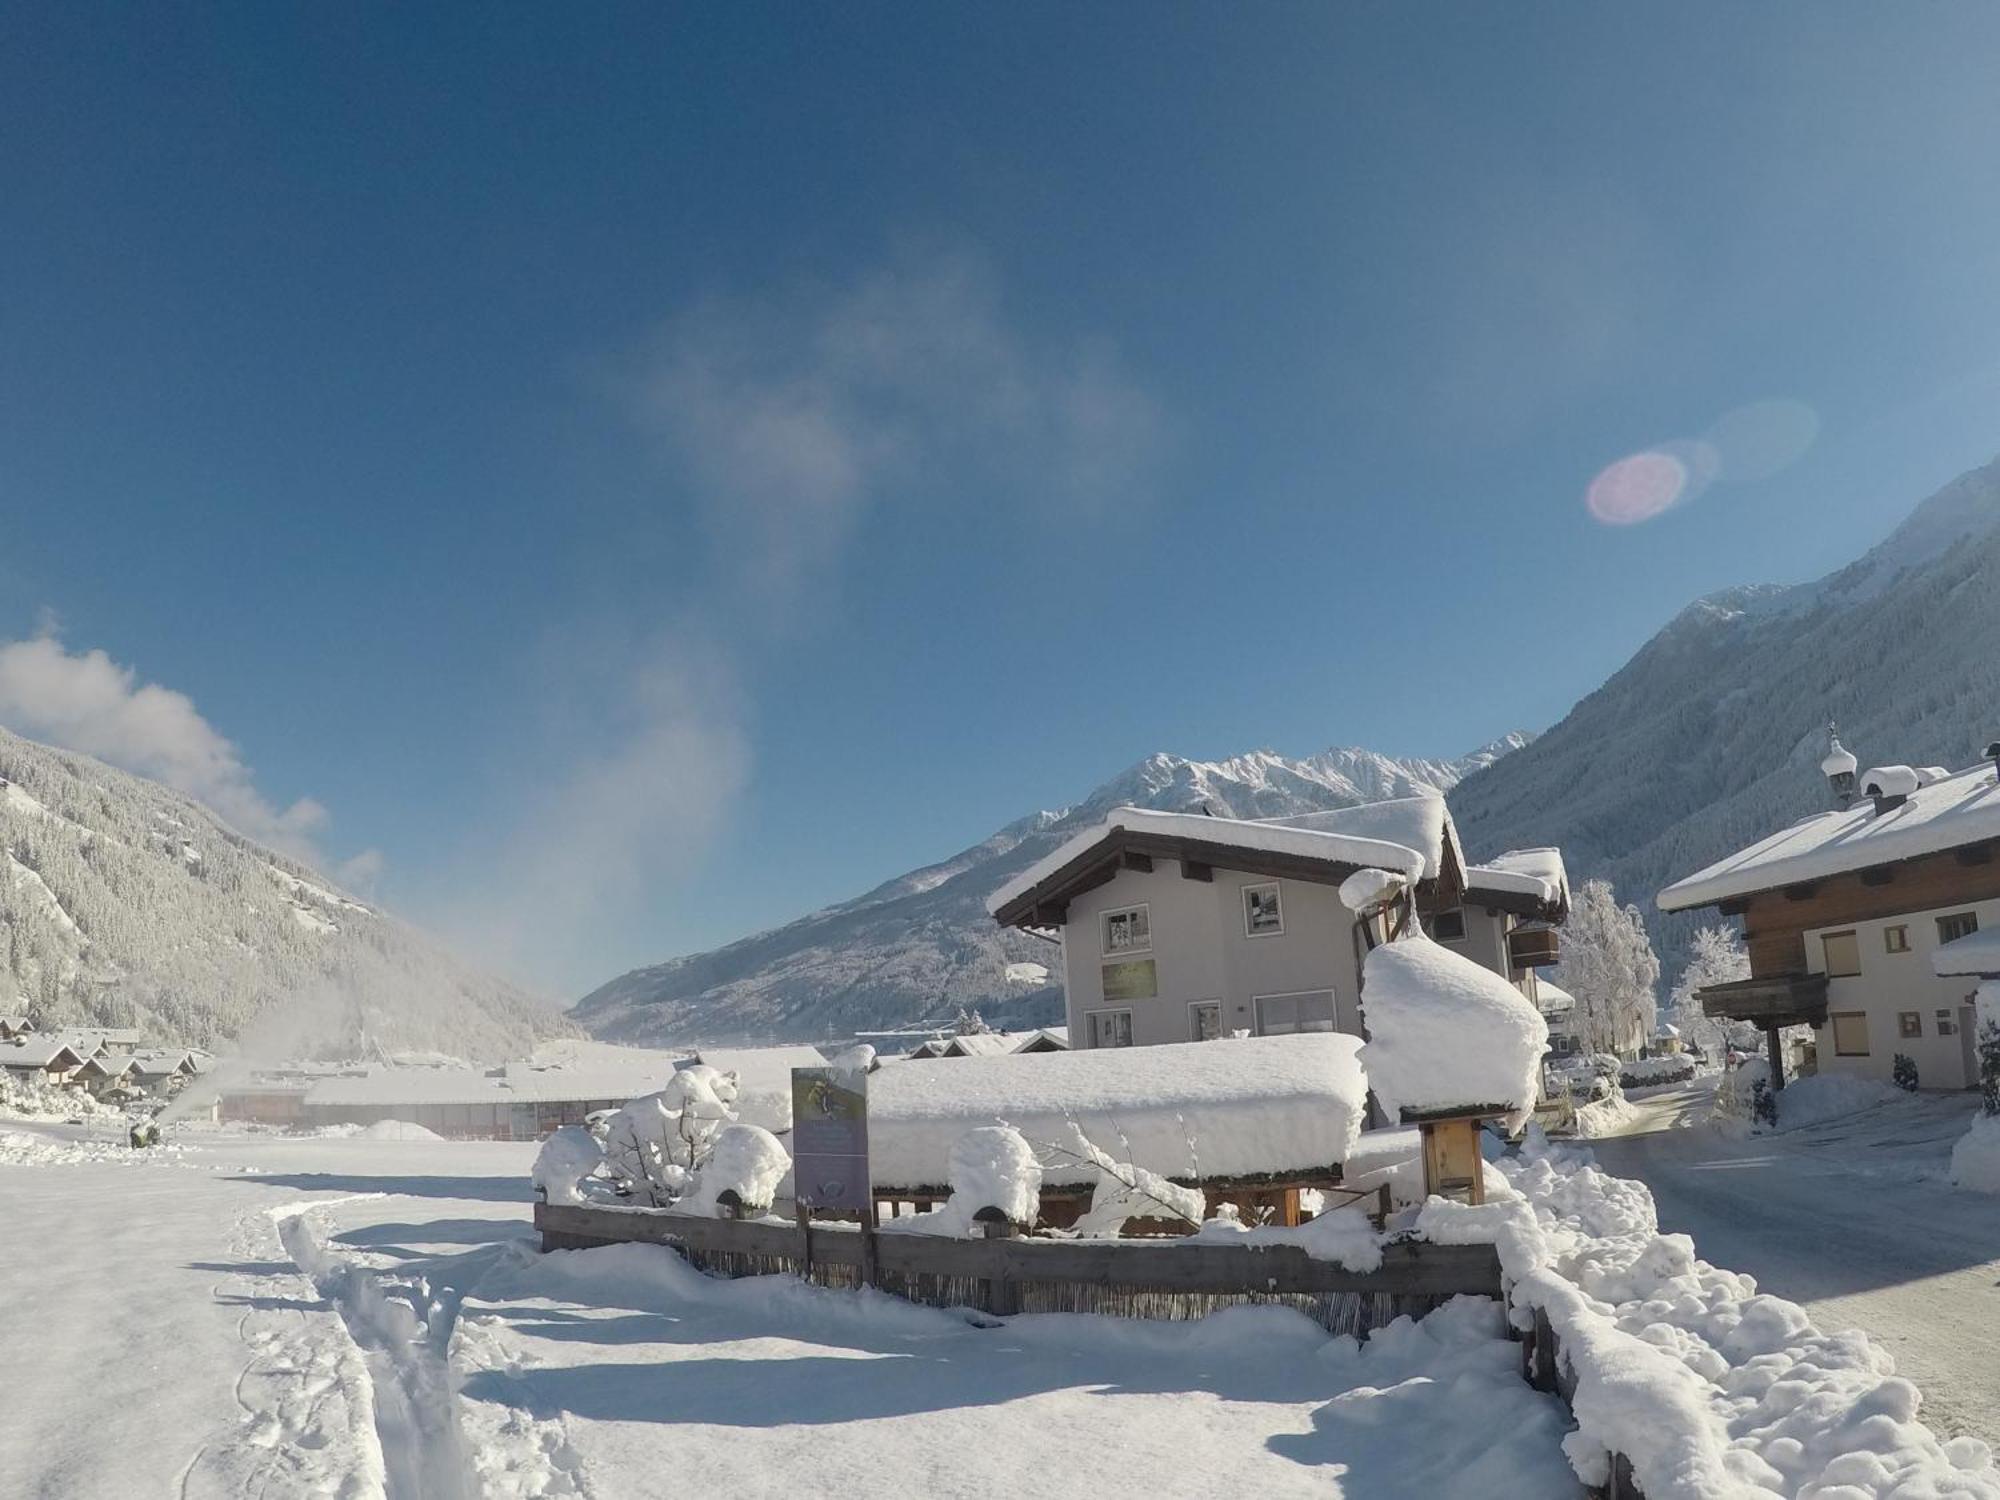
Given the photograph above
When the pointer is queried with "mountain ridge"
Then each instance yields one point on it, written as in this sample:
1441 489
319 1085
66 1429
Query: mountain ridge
921 943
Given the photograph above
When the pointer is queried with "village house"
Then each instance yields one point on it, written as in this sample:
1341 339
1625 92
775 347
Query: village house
1180 927
1851 917
51 1059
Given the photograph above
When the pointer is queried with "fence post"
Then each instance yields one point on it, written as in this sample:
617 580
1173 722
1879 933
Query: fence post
805 1242
1000 1293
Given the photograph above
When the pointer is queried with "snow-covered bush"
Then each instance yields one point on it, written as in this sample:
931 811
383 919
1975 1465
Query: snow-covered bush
1763 1103
1445 1032
992 1166
746 1161
1903 1072
1125 1191
1672 1067
38 1100
654 1144
1975 1159
567 1158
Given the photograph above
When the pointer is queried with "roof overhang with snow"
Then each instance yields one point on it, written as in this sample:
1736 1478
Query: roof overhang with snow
1952 813
1133 838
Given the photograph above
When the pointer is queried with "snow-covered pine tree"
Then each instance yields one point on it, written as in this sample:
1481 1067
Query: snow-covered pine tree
1609 966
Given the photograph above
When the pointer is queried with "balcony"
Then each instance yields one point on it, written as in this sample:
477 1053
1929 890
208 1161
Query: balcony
1774 1000
1533 947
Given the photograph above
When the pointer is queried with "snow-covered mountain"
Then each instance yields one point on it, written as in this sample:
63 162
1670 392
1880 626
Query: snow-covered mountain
922 944
123 903
1712 734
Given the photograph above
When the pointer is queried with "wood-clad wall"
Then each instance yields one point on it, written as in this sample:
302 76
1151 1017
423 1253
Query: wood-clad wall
1774 924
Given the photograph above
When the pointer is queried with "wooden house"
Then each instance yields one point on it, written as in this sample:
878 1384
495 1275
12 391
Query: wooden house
36 1058
1845 914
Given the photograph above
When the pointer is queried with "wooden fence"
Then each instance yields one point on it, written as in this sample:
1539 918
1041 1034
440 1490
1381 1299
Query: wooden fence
1543 1367
1151 1278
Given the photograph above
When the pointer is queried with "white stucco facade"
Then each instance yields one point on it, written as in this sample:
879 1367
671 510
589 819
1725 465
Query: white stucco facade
1200 951
1892 987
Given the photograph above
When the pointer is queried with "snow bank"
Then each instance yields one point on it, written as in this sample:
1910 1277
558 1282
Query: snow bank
1712 1390
1975 1160
397 1130
1444 1032
746 1160
1230 1108
1828 1096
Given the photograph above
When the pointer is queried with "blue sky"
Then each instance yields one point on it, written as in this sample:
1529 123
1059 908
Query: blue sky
613 480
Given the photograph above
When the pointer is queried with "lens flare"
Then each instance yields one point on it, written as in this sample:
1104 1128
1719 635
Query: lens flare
1636 488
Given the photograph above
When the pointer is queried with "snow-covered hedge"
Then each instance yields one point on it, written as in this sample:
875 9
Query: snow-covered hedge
1673 1067
746 1161
1712 1390
992 1167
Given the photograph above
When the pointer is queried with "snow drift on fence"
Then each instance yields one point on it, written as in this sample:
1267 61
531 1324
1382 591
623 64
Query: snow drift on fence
1445 1032
1250 1105
1712 1390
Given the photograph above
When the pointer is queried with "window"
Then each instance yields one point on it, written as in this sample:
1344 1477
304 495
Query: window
1282 1015
1448 926
1205 1020
1129 979
1111 1028
1843 954
1261 914
1126 930
1909 1023
1959 924
1895 940
1947 1025
1850 1033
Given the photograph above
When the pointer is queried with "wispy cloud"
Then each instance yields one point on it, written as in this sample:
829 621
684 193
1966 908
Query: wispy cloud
85 701
791 414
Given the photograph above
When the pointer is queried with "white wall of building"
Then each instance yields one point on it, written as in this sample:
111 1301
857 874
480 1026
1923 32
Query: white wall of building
1202 953
1893 983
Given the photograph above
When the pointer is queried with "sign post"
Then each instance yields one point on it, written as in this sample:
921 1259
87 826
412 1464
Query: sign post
830 1154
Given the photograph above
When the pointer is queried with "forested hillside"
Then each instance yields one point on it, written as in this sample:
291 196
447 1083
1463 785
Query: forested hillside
125 903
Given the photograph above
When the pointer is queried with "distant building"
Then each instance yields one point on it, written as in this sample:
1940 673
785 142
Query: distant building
1179 927
1851 915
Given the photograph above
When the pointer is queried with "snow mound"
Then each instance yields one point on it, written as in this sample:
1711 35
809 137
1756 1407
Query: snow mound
1344 1237
1827 1096
1975 1160
991 1167
398 1130
1444 1032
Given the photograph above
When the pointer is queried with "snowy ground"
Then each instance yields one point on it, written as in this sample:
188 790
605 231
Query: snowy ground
255 1315
1854 1219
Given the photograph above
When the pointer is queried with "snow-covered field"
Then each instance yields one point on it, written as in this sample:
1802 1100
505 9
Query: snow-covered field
247 1314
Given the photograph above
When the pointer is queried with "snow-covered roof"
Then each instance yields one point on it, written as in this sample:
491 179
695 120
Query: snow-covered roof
1335 849
1447 1033
1249 1105
980 1044
516 1084
1975 953
1048 1036
1958 809
38 1050
1535 873
1421 823
1552 997
162 1060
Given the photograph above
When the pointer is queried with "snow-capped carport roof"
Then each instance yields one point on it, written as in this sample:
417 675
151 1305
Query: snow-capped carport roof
1133 837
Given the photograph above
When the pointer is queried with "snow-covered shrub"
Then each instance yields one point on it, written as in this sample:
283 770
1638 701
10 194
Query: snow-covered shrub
1903 1072
991 1166
1125 1190
38 1100
1672 1067
1445 1032
1975 1159
567 1158
654 1144
1987 1002
746 1161
1763 1104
